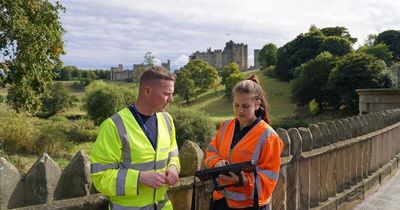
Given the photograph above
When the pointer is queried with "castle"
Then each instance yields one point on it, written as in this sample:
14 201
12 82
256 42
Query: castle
232 53
118 73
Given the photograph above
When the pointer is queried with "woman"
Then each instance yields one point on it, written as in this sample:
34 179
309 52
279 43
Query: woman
246 137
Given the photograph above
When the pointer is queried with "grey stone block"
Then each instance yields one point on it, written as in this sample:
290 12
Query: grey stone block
333 130
282 133
74 181
316 136
191 157
9 180
296 142
325 134
306 139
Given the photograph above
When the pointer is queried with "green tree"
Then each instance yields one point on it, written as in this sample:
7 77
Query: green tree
184 85
228 70
56 101
102 100
149 59
267 55
296 52
31 45
230 83
202 73
381 51
392 39
354 71
336 45
310 80
340 32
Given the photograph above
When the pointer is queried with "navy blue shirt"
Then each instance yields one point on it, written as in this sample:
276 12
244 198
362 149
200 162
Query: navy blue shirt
239 134
148 125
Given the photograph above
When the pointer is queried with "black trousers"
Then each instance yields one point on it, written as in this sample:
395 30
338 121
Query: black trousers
222 205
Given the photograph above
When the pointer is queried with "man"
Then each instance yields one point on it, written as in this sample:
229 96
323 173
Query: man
135 155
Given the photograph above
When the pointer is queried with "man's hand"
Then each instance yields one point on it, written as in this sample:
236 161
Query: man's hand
152 179
172 175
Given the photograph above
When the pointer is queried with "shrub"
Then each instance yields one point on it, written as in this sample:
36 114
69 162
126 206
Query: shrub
103 100
18 134
313 107
192 125
269 71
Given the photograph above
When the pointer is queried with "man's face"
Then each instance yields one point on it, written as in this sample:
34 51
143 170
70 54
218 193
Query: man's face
160 95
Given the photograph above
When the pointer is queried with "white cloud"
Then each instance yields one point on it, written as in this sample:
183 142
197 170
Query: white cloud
104 33
180 61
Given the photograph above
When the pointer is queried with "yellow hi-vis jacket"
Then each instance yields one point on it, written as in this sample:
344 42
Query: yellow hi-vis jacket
122 150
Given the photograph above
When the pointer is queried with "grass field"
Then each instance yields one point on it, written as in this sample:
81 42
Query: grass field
220 108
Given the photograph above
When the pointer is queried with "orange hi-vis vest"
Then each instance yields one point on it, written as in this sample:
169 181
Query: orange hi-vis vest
261 144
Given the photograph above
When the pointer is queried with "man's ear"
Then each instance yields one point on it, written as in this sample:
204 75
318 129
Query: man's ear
147 90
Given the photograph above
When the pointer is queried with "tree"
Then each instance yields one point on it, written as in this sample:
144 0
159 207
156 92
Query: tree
392 39
354 71
102 100
184 85
230 83
57 101
228 70
336 45
267 55
31 45
296 52
202 73
310 80
380 51
149 59
340 32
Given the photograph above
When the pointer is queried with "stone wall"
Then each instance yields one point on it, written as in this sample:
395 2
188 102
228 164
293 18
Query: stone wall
329 165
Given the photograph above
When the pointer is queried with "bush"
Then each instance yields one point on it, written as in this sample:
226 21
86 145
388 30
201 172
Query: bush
192 125
269 71
82 131
313 107
103 100
18 134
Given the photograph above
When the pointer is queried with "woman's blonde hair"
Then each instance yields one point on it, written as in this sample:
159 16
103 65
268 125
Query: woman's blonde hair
251 86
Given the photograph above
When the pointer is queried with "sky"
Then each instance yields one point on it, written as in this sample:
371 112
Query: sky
104 33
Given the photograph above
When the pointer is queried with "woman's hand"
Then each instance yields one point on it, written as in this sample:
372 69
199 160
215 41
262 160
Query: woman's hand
221 163
234 178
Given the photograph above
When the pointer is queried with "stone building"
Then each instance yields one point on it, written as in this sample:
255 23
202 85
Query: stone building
256 63
232 52
118 73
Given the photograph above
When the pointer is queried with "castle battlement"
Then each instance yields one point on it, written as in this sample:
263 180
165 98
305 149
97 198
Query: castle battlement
233 52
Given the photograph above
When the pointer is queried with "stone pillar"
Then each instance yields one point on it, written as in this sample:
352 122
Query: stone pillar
41 181
10 193
304 169
316 191
293 181
191 157
74 181
279 198
340 165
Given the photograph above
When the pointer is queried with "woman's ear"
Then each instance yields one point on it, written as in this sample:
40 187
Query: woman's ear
258 103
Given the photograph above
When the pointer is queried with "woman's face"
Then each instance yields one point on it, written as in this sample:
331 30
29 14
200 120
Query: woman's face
244 107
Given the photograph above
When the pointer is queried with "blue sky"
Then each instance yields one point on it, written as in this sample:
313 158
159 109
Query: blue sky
104 33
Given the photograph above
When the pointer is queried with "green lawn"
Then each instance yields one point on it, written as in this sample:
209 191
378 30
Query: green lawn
220 108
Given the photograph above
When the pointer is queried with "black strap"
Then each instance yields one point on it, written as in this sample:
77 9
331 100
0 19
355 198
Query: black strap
255 204
194 194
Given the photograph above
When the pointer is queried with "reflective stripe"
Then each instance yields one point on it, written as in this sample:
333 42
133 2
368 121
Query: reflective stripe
223 130
123 136
98 167
268 173
236 196
120 183
166 118
211 148
207 161
158 206
173 153
261 142
147 166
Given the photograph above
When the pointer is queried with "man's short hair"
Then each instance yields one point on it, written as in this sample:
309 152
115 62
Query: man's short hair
156 73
